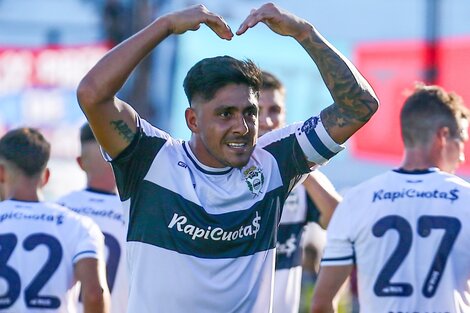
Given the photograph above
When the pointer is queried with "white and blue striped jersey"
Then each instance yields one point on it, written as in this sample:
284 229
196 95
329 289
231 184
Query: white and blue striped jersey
203 239
408 233
106 211
39 245
297 212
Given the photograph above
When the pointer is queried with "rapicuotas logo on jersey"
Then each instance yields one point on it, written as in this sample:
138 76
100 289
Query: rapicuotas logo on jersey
105 213
254 178
39 217
287 247
381 194
180 224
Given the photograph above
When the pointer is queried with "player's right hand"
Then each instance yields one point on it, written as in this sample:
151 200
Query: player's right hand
192 17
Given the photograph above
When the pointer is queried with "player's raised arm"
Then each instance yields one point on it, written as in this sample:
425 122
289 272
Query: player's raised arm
113 121
354 99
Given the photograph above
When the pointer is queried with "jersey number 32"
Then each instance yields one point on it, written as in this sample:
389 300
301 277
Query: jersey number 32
8 242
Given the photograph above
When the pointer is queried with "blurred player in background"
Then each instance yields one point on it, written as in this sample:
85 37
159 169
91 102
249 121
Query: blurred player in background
100 202
313 201
313 243
44 248
408 229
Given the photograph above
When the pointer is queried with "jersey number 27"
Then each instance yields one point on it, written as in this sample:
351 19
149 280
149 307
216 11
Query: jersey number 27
451 226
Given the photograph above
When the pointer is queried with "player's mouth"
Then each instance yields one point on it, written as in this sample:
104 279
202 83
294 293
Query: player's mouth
237 145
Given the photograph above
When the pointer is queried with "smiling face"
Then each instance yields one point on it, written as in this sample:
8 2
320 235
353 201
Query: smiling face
225 128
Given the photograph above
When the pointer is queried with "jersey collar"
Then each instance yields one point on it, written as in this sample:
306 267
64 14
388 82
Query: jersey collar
204 168
25 201
417 172
89 189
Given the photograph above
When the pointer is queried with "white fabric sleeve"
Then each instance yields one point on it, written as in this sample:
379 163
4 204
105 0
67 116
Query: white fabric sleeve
144 127
91 242
316 143
339 249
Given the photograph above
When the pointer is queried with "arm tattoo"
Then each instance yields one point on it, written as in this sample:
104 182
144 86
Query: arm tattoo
355 101
123 130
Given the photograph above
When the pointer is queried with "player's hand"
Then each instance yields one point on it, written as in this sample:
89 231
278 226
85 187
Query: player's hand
278 20
191 19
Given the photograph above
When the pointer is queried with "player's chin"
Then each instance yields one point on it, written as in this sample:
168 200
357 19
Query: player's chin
239 160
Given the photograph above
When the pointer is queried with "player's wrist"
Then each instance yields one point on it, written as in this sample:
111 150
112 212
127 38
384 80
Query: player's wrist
305 31
165 23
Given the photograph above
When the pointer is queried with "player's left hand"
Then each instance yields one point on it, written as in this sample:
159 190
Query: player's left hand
278 20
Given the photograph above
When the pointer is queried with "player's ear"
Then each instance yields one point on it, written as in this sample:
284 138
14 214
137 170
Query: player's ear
45 177
443 135
80 162
191 120
2 173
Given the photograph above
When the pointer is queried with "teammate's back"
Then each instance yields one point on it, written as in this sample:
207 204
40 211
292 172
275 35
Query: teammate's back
410 232
106 211
100 202
44 248
39 245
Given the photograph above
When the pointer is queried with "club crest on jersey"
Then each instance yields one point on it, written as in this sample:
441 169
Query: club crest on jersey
254 178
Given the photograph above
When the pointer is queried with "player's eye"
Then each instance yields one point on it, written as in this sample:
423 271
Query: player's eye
251 112
225 114
275 110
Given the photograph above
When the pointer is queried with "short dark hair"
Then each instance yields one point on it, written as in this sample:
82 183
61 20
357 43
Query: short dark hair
271 82
427 109
86 134
27 149
207 76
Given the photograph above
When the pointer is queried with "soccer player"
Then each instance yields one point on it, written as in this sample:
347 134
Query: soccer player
203 213
408 229
313 201
44 248
100 202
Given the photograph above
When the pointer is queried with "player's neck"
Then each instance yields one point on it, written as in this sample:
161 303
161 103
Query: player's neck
418 159
24 189
26 194
101 186
417 166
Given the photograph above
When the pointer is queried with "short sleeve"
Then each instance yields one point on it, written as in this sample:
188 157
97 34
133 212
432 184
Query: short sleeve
339 248
90 242
133 163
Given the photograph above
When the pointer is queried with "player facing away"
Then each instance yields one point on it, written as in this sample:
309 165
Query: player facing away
408 229
44 248
312 201
100 202
203 214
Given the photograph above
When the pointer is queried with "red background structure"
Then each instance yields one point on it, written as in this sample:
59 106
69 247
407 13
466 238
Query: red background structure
392 68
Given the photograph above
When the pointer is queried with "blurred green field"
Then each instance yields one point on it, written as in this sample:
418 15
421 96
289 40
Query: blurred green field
344 305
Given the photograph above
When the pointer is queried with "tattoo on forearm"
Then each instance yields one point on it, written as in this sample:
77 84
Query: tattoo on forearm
355 101
123 129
